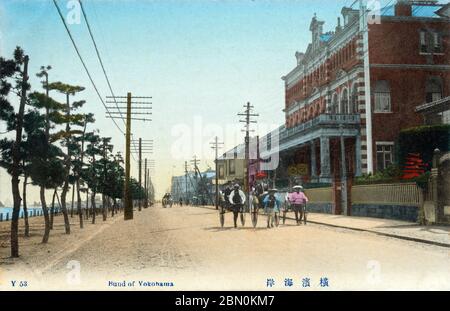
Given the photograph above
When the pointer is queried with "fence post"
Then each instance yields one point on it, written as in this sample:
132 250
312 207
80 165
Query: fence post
1 217
7 216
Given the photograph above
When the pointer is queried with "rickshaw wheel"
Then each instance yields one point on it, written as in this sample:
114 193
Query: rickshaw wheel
222 217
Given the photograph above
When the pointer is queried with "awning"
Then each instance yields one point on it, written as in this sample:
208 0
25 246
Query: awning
437 106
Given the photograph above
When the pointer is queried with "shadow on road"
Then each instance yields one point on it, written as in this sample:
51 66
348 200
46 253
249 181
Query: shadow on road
219 229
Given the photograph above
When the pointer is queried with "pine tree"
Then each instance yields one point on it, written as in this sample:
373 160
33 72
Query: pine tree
70 120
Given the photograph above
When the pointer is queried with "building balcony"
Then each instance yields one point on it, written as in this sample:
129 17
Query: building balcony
329 121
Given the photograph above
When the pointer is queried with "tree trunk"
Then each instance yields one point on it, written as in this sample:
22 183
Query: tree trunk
25 207
15 168
80 212
113 208
42 190
52 210
87 203
16 160
46 216
73 200
93 207
64 208
104 209
67 173
15 218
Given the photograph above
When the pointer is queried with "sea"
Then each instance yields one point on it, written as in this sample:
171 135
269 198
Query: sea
6 212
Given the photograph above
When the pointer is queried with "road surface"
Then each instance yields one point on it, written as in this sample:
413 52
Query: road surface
183 248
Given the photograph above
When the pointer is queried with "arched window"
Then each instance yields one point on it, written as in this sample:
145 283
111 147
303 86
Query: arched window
334 107
354 99
344 107
433 89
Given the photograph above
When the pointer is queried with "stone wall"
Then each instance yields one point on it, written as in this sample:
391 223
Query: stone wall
399 212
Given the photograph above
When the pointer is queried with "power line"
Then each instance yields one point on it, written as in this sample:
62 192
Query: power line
84 64
103 69
98 56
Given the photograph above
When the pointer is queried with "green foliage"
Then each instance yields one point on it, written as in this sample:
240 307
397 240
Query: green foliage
137 192
65 88
390 175
9 71
41 156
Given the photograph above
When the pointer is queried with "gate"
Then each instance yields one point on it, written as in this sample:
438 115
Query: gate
437 196
444 188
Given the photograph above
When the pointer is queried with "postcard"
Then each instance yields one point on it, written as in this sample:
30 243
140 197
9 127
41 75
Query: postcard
230 145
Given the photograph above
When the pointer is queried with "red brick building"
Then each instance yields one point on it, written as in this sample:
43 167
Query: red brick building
339 96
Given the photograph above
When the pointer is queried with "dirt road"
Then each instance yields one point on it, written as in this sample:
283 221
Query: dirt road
183 248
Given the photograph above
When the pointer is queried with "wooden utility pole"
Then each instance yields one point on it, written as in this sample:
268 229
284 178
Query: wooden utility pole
216 145
195 162
148 184
130 115
105 156
128 214
144 147
248 120
186 180
145 185
140 172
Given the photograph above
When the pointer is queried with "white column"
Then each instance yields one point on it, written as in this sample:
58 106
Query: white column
364 28
358 168
325 165
313 160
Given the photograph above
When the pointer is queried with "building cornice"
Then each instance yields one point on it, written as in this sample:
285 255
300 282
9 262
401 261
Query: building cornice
414 19
314 59
411 66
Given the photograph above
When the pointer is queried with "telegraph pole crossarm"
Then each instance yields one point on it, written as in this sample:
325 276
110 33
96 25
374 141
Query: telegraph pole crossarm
143 108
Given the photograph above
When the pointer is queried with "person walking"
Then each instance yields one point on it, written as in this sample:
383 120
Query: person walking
272 204
298 200
237 201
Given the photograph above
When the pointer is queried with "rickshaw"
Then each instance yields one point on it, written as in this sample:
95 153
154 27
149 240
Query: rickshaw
288 207
227 206
167 200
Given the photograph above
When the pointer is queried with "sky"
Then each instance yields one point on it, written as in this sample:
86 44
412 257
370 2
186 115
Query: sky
201 61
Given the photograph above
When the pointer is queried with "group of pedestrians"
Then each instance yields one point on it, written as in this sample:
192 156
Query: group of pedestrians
234 199
297 199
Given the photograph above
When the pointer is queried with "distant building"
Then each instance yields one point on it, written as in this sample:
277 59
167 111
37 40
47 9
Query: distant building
194 185
231 165
183 186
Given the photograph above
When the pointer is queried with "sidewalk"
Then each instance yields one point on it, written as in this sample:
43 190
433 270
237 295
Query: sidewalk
434 235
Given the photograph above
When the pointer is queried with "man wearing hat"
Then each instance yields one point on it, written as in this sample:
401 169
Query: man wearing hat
298 199
237 200
271 206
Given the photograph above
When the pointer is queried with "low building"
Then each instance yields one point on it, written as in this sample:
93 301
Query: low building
231 165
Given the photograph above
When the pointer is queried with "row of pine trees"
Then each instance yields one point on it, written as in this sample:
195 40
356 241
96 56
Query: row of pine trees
48 145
